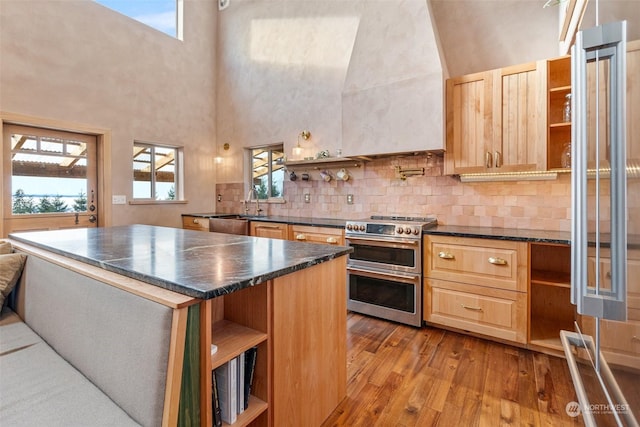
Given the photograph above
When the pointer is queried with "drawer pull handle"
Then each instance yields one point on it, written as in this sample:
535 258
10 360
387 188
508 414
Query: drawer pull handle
301 237
497 261
466 307
608 275
445 255
635 338
332 240
195 221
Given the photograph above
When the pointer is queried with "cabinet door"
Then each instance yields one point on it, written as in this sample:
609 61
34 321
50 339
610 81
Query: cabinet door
519 118
269 229
469 123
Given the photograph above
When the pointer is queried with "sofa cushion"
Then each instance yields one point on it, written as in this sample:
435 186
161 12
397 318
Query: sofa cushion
5 247
10 269
14 333
39 388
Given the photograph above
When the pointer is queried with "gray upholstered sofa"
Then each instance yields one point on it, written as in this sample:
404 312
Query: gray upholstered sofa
76 350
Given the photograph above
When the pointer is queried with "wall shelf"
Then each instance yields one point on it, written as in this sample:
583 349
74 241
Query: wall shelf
324 163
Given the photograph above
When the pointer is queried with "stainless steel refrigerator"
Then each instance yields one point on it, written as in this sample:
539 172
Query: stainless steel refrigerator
603 350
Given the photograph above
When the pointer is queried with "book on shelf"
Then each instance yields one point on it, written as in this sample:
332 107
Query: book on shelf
240 385
249 367
227 380
215 402
231 387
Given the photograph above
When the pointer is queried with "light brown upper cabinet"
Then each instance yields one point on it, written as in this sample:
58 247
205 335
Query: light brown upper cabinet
496 120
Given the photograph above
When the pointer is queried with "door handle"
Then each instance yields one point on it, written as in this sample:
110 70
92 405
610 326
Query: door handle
497 261
93 218
498 156
488 161
77 218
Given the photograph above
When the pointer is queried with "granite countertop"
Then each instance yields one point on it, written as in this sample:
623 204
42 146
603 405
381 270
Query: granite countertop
201 265
293 220
523 235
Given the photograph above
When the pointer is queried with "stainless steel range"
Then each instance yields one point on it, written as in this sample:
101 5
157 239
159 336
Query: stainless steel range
384 271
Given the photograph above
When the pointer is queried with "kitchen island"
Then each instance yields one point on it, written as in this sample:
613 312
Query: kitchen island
285 298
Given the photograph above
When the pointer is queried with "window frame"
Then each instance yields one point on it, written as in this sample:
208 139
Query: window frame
248 181
178 174
179 17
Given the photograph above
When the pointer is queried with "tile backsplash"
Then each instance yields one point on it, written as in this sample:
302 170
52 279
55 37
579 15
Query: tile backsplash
377 189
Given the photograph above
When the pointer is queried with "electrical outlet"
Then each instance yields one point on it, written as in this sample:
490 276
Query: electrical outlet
307 197
349 199
119 199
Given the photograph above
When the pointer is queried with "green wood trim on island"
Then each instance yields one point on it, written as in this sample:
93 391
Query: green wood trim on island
200 265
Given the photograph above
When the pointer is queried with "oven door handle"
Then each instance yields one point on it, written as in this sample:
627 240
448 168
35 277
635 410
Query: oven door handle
383 240
383 275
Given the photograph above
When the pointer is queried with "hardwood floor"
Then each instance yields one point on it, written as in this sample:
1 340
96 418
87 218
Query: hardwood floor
404 376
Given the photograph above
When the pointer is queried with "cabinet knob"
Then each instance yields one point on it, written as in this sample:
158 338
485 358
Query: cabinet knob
332 240
195 221
497 261
301 237
446 255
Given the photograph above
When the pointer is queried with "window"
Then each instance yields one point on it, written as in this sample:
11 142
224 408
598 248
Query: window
267 171
156 172
51 172
163 15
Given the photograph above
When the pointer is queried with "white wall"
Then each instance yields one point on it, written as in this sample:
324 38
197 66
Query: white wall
77 61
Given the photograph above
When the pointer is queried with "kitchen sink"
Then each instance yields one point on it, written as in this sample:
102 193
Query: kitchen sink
232 224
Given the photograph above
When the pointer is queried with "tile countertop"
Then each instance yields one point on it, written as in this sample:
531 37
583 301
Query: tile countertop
201 265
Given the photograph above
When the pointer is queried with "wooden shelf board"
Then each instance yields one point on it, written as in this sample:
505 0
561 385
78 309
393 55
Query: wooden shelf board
327 162
255 408
546 332
551 278
560 125
232 339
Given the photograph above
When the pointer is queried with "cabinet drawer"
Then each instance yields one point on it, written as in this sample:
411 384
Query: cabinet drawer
493 312
633 283
326 235
619 338
272 230
195 223
494 263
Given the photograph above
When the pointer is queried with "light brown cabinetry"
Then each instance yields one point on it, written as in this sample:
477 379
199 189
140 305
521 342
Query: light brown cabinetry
495 120
550 296
558 129
477 285
325 235
195 223
298 323
272 230
620 341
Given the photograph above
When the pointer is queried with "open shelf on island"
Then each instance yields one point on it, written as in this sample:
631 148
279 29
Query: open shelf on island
232 339
253 411
546 332
551 278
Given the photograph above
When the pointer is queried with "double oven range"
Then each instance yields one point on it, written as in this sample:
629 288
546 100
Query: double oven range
384 271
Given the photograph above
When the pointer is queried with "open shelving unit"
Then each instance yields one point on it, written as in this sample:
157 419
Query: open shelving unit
558 131
235 323
550 292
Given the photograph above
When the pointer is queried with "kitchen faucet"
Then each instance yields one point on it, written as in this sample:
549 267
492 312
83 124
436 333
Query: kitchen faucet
252 193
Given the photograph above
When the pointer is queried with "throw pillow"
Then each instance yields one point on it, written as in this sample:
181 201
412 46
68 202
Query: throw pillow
5 247
10 269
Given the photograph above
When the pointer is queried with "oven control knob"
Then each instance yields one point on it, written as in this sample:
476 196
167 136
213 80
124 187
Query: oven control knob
349 227
407 230
400 230
362 227
416 231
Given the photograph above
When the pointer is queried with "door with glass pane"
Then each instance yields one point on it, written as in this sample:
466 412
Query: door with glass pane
50 179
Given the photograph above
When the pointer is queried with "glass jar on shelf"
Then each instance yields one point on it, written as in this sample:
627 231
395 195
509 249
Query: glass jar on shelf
565 158
566 109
